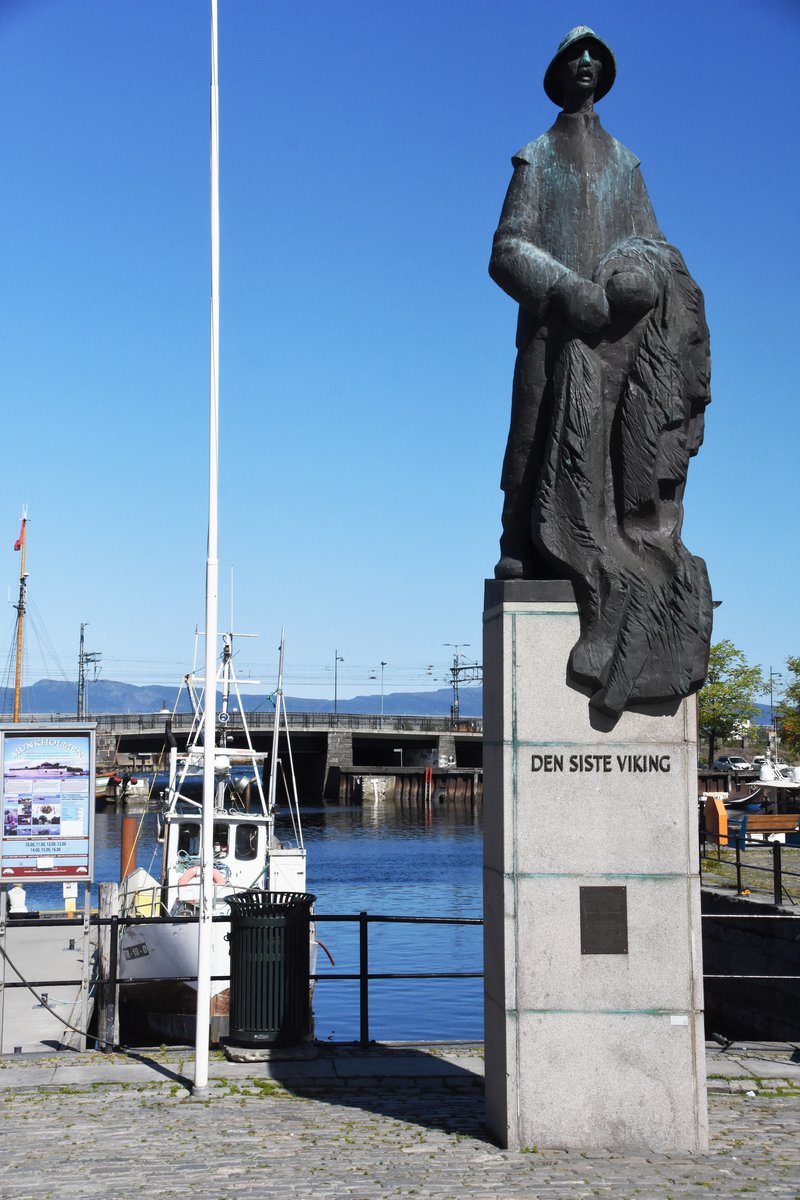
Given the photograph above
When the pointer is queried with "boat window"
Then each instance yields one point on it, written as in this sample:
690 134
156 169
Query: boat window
189 839
246 842
220 841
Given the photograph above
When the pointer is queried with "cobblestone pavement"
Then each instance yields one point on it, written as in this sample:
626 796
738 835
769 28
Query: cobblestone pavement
359 1138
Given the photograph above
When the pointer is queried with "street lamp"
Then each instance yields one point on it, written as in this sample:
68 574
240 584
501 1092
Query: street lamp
337 658
383 664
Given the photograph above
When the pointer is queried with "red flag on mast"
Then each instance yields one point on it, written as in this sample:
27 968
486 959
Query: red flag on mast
19 542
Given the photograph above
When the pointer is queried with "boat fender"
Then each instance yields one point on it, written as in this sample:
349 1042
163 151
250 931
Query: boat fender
189 875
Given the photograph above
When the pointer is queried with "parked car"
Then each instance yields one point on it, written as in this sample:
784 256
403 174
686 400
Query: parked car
732 762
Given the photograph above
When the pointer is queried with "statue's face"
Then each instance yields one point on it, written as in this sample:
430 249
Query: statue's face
580 69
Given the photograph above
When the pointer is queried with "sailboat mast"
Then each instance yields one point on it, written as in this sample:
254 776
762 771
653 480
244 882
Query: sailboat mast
273 765
212 585
20 545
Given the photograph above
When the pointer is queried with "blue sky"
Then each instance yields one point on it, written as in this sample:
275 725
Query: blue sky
366 356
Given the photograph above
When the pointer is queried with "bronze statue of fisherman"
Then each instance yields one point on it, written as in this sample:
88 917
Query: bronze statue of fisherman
610 387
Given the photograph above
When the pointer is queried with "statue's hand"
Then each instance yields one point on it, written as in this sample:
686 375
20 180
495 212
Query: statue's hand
632 292
584 303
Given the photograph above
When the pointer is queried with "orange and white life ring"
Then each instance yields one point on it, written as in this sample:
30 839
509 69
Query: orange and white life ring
189 875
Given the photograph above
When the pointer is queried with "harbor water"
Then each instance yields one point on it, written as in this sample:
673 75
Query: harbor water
386 860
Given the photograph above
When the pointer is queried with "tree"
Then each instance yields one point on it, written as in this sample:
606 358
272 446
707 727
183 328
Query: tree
729 696
787 717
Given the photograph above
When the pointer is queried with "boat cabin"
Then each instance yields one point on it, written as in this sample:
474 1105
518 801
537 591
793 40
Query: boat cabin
246 855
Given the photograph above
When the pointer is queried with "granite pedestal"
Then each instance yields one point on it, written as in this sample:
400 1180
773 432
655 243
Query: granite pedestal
594 1024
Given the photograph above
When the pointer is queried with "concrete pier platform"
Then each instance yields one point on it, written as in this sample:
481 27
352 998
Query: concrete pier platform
54 953
390 1121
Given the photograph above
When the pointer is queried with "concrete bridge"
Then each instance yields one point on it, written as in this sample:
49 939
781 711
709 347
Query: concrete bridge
332 753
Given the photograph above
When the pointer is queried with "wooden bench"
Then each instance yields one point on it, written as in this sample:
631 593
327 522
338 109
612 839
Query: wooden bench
740 828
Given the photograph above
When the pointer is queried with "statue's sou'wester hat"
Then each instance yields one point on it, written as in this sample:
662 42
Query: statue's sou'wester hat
581 33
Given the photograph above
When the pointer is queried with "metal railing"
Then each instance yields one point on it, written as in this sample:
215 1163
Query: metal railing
364 722
107 983
740 845
364 975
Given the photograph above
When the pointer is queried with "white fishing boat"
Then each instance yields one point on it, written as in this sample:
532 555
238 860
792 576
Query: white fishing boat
159 961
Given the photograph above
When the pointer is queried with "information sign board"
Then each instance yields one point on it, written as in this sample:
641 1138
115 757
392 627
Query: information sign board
47 775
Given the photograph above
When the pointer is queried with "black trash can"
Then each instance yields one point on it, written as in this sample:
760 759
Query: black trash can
270 1001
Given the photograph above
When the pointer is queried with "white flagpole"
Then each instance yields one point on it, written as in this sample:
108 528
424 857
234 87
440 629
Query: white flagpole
212 583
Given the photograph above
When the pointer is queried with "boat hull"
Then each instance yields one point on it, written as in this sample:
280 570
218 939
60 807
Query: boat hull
158 967
165 1011
158 989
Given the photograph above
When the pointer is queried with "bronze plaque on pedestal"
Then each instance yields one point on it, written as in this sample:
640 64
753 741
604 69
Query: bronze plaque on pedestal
604 920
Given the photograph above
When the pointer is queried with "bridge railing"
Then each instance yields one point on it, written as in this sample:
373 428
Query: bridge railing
322 721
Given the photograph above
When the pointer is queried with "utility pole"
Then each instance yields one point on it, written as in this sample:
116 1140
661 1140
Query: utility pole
773 675
85 659
466 672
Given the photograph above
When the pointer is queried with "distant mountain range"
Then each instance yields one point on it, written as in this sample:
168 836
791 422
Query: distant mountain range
107 696
764 715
